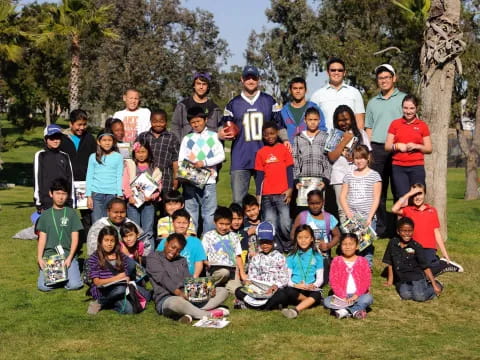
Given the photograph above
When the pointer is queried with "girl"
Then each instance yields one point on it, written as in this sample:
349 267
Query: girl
305 270
408 139
360 193
344 119
107 268
116 127
141 162
104 175
130 245
350 279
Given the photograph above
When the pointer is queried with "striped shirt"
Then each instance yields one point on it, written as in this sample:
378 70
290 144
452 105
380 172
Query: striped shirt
360 191
95 271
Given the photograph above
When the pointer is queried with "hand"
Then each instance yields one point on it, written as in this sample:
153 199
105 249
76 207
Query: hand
213 292
131 200
246 282
90 203
272 289
288 146
68 262
41 263
251 230
347 136
175 184
436 288
298 186
349 214
198 164
310 287
368 221
412 147
387 283
287 196
401 147
224 135
148 198
352 299
324 246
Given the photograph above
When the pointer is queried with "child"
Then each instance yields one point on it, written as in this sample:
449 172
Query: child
427 228
108 265
361 192
408 267
141 162
224 252
173 200
274 180
130 245
203 149
115 126
237 228
58 228
305 270
135 119
104 175
324 227
116 217
51 164
164 146
167 271
268 266
193 251
350 280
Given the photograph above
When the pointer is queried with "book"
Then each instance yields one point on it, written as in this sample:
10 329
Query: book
80 188
257 289
333 139
211 323
308 184
125 149
123 281
198 290
187 172
357 226
338 303
55 270
143 186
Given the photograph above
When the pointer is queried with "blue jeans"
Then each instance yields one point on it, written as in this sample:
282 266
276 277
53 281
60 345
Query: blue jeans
363 302
113 297
100 202
277 212
205 198
418 290
74 281
405 176
240 181
143 216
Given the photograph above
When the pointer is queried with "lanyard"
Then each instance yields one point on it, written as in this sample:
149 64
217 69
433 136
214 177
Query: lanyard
59 233
305 272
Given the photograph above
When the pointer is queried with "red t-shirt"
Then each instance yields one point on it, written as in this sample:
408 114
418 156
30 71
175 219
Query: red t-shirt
413 132
273 161
426 221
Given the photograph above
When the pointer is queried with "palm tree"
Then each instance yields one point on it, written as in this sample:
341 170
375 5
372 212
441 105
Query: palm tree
8 33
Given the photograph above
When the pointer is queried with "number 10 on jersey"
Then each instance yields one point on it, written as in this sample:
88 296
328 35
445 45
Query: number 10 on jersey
252 126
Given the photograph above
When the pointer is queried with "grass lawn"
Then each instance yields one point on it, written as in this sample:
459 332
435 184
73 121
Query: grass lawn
55 325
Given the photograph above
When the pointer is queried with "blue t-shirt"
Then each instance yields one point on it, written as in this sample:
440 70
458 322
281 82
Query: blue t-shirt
304 266
193 251
76 141
319 227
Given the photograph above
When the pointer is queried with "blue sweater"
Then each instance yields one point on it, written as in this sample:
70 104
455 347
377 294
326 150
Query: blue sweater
105 178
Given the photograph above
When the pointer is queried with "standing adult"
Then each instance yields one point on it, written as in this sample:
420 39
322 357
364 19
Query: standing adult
248 111
135 119
293 113
381 111
337 93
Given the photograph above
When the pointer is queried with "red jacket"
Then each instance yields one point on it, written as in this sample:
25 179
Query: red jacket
361 273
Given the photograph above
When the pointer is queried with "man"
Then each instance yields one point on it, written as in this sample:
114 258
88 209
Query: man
381 111
248 111
201 87
293 113
135 119
336 93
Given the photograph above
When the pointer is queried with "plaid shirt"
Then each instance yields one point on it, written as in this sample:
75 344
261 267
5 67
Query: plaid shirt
165 152
310 158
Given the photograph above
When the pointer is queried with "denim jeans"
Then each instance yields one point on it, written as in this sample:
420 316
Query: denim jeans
206 199
100 202
74 281
143 216
240 181
405 176
113 297
277 212
418 290
362 303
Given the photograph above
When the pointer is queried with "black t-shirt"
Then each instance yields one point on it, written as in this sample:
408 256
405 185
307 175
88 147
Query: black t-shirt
207 106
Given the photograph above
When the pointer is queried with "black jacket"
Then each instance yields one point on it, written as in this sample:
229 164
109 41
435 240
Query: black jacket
79 158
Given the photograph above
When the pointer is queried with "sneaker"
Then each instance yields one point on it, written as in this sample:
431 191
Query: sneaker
94 307
290 313
219 313
239 304
451 266
342 313
360 314
185 319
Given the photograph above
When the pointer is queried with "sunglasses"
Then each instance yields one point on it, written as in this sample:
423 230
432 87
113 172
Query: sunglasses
336 70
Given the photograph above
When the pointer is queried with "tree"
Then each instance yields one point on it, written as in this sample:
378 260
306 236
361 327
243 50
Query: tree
9 33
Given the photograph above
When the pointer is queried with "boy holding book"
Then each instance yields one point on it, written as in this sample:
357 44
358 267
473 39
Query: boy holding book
58 234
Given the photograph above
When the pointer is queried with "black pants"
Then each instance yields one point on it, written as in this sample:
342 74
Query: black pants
279 300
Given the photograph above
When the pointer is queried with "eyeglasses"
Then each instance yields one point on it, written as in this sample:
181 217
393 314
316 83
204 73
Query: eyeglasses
336 70
384 78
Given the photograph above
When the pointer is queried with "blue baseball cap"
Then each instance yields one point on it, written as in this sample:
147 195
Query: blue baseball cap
250 70
52 129
265 231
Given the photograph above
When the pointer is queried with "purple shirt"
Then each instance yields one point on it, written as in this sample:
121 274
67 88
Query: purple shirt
95 271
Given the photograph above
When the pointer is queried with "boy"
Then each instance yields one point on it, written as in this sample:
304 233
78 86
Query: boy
237 228
224 252
251 208
172 201
193 251
164 146
135 119
203 149
407 266
50 164
58 232
274 166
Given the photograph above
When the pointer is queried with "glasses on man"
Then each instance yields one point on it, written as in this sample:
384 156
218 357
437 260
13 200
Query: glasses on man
337 70
382 78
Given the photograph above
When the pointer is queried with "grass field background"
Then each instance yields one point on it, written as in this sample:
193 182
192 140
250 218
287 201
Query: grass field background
55 325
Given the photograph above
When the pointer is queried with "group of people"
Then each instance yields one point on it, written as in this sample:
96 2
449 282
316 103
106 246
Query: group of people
280 236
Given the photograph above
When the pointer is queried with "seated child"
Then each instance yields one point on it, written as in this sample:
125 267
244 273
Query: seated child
193 250
408 267
237 228
251 208
305 270
58 229
167 271
224 252
173 201
350 279
129 245
268 266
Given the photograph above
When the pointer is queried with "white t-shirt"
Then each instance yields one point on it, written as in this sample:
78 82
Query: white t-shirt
135 122
351 287
328 99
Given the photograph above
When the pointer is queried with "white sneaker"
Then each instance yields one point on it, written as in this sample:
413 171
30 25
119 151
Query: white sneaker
342 313
185 319
290 313
453 266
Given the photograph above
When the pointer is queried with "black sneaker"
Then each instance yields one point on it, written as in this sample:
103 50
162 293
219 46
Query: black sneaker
450 266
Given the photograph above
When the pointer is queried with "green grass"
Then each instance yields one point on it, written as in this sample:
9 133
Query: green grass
55 325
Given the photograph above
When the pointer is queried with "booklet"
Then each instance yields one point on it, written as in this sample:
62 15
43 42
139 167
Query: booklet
257 289
308 184
80 188
143 186
338 303
189 173
333 139
198 290
55 270
357 226
212 323
125 149
123 281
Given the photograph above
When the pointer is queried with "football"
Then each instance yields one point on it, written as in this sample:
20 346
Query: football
231 129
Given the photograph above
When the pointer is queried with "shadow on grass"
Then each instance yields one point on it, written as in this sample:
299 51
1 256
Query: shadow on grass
20 204
17 173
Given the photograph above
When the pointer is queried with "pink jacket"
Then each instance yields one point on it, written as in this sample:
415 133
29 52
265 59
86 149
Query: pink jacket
361 273
129 174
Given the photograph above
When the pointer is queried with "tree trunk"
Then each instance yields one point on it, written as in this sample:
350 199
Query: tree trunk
74 85
441 48
48 120
471 173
